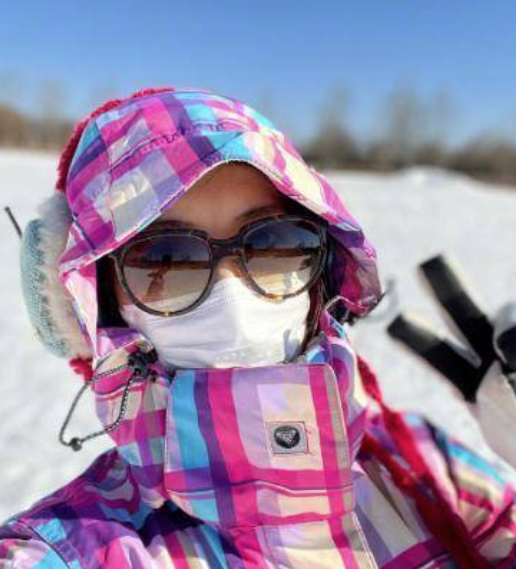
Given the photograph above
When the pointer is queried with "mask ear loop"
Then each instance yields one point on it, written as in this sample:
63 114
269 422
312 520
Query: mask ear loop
342 319
319 308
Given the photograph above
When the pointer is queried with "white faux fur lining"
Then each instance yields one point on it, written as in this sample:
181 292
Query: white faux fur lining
55 217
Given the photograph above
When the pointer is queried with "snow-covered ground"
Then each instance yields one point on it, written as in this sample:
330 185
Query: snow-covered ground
409 216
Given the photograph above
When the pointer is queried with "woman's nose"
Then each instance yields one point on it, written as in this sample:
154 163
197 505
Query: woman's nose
227 268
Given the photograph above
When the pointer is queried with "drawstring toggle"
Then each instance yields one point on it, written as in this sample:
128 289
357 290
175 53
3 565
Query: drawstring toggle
140 363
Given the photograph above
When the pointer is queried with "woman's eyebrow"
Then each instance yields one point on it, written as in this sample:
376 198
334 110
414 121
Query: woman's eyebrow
260 210
173 222
242 217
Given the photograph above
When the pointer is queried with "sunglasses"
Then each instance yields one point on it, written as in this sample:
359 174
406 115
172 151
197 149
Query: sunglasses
169 270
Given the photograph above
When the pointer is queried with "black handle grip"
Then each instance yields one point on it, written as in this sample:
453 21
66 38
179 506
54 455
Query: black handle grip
505 335
450 292
440 354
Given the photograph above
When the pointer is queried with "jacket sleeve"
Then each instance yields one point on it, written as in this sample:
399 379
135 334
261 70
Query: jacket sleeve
480 493
22 548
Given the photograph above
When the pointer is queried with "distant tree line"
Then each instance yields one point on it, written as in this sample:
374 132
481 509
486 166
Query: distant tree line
49 126
19 130
409 131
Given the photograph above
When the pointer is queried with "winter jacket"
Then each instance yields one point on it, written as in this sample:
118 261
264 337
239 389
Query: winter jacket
197 476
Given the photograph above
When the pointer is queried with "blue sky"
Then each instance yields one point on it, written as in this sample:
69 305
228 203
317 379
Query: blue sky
280 56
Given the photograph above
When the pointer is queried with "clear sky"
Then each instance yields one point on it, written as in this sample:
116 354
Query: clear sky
281 56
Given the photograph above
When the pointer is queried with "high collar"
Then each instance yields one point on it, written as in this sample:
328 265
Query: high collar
242 446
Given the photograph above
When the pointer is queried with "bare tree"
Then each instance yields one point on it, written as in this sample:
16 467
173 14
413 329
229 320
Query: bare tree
333 145
442 114
51 127
14 126
100 93
51 99
404 127
15 129
11 87
489 156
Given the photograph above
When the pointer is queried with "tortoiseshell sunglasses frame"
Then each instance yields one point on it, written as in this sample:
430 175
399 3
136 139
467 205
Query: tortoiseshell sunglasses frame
219 249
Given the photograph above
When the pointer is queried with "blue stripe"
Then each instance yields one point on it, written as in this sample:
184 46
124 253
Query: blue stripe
216 551
200 113
194 453
51 561
53 531
469 458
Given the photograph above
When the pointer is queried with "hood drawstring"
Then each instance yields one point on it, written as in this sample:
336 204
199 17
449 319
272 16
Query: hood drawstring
140 362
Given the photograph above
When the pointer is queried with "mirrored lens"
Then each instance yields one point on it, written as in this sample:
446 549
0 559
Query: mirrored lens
167 273
283 256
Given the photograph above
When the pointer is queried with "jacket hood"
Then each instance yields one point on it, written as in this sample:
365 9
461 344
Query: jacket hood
132 158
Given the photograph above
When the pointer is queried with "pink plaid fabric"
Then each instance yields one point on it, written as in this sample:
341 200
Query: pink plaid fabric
248 468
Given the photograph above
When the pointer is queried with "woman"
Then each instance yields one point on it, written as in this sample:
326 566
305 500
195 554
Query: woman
200 276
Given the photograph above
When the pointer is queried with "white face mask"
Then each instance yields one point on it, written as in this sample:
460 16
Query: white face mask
234 326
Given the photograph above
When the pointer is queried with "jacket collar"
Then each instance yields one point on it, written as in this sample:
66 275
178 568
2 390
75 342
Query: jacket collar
242 446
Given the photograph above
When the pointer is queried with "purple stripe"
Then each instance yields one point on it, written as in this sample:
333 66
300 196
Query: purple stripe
219 471
90 153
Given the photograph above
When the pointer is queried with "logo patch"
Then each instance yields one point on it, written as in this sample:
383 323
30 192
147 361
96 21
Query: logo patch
288 438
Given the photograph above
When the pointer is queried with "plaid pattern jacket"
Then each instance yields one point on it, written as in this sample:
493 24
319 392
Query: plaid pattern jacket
258 467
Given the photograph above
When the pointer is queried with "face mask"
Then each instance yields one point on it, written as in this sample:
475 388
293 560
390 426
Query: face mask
234 326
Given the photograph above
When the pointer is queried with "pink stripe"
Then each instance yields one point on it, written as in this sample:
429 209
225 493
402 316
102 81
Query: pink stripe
176 551
332 472
248 540
227 433
476 499
113 555
342 543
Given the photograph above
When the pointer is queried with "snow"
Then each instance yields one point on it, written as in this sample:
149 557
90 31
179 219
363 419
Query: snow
409 216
